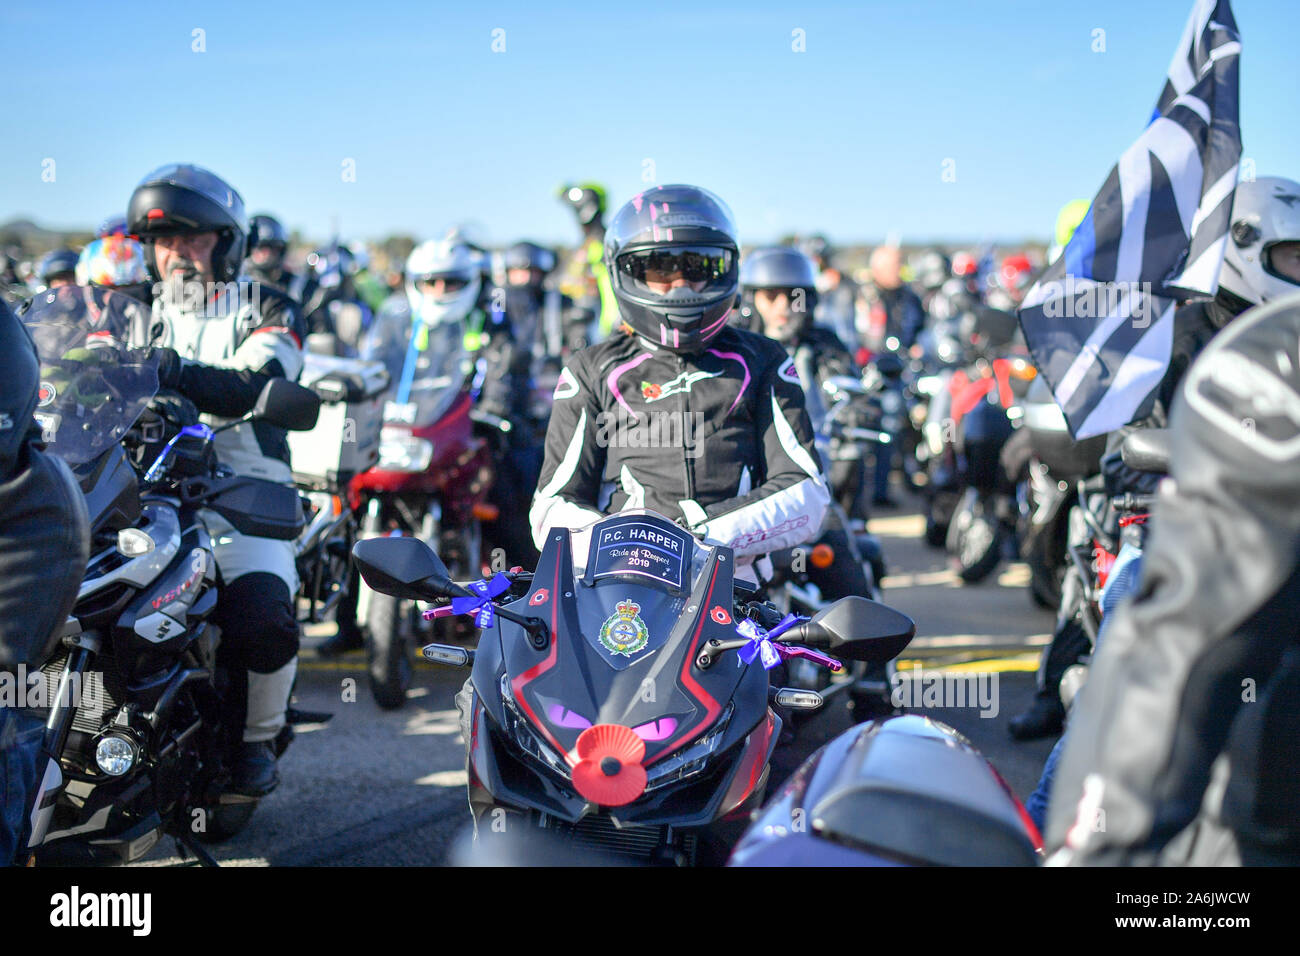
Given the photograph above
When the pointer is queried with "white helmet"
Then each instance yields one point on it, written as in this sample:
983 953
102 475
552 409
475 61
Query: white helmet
1265 212
442 259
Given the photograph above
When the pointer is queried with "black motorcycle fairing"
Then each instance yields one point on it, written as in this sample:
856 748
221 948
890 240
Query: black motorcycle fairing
659 686
567 685
254 506
163 619
111 489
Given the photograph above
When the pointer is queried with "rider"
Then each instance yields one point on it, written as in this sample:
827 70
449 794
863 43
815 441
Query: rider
837 294
266 264
1182 747
675 276
44 544
218 347
779 288
416 332
585 278
116 262
1264 236
779 297
57 268
332 304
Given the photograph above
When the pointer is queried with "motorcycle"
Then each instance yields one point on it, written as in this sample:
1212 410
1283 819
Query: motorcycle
621 696
135 746
984 409
431 482
906 791
1057 463
344 443
1106 549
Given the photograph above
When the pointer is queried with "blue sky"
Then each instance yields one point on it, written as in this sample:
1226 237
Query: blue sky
849 137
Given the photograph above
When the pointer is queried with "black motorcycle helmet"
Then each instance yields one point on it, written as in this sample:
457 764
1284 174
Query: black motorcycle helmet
58 264
184 198
529 255
269 231
664 235
780 267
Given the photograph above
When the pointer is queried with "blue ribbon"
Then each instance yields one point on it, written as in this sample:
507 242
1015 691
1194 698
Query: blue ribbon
760 641
480 604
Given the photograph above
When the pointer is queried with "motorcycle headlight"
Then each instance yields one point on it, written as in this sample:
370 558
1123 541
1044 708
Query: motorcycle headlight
526 738
115 754
402 452
690 761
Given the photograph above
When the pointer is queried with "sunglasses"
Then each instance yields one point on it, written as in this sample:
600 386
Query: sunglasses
664 265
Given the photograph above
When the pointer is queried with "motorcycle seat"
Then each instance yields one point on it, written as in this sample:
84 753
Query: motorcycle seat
1147 450
913 788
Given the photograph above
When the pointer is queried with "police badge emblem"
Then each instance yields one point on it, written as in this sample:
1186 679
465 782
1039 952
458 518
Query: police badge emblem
623 631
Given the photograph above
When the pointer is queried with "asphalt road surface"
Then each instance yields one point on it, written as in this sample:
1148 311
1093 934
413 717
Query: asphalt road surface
376 787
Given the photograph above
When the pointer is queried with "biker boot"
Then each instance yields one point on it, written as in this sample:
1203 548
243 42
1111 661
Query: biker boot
344 640
254 772
1044 718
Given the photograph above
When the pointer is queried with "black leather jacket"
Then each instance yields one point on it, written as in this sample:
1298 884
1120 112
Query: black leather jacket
44 529
1204 659
718 441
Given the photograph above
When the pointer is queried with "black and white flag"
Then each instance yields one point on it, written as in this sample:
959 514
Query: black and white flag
1099 322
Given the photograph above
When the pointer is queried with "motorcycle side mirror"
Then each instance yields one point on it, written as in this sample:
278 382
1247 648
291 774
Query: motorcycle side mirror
405 568
859 630
287 405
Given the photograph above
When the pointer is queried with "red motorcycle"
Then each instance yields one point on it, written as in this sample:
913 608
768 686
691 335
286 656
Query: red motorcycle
431 482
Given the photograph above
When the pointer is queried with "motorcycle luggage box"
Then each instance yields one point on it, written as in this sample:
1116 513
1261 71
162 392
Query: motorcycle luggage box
260 508
914 788
345 441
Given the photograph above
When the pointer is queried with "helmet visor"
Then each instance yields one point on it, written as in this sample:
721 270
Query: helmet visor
678 273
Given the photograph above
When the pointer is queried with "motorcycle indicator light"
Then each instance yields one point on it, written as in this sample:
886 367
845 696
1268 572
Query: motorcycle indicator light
823 556
132 542
446 654
485 511
798 699
115 754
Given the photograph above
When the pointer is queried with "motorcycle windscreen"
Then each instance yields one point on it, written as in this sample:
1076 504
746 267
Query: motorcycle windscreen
427 365
627 624
93 386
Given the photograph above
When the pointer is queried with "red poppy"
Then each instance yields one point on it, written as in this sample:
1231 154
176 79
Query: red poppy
609 770
650 390
539 598
720 615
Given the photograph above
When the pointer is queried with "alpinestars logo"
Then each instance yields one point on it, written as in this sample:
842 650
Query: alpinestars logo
682 383
747 539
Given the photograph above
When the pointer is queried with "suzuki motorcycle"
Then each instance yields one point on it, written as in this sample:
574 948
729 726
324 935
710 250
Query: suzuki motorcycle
621 693
134 743
431 481
907 791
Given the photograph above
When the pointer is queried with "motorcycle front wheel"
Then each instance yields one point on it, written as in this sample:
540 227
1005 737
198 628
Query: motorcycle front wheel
388 662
